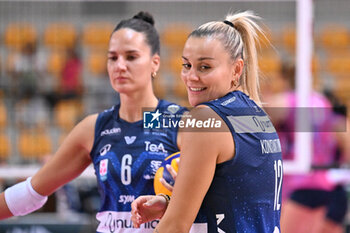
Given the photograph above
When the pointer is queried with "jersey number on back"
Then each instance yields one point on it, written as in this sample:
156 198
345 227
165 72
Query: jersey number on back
278 183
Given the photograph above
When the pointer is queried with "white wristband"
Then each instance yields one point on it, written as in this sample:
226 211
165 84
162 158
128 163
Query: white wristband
22 199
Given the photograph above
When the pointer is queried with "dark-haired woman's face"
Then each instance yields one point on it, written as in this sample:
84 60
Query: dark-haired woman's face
130 63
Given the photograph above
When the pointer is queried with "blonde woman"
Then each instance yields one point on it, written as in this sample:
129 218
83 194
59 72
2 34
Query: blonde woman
228 181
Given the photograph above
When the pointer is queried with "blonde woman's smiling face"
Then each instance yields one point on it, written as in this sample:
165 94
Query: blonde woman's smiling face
207 69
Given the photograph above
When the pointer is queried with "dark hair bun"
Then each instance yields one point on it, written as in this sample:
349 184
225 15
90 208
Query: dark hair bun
145 16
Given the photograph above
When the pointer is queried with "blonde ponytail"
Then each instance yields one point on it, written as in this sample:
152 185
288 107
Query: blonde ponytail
239 40
248 29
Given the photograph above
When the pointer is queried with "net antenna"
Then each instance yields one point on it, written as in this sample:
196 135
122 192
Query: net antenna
303 134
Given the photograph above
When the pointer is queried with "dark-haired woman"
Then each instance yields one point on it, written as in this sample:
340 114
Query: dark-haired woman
124 154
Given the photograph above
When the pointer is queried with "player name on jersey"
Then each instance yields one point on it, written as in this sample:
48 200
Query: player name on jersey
270 146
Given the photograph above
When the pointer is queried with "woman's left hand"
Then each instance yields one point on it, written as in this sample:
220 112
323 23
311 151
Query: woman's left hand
173 173
147 208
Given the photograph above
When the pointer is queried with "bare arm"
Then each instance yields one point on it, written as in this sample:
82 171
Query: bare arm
200 152
69 161
4 211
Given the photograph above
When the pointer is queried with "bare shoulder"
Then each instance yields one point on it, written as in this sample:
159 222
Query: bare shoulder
202 124
90 120
204 119
83 133
207 132
87 125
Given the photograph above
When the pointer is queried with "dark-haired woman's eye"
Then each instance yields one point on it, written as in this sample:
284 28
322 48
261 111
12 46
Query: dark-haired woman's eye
113 58
131 57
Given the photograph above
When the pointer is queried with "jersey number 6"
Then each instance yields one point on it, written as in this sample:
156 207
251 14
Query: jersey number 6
125 170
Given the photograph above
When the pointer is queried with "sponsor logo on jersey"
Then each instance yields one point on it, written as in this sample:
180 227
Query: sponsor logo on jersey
262 123
105 149
159 132
151 120
155 164
173 108
112 221
130 140
126 199
103 169
257 109
154 147
251 124
230 100
151 171
110 131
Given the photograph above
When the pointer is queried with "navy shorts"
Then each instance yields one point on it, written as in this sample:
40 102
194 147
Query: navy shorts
335 201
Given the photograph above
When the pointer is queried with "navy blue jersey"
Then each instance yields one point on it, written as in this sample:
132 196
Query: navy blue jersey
245 194
126 157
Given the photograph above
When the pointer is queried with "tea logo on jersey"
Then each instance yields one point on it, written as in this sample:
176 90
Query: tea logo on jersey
103 169
149 146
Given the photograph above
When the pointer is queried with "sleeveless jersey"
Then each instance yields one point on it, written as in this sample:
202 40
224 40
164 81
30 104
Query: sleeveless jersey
245 194
126 157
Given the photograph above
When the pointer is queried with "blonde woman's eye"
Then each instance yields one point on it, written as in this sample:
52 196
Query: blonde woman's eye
186 66
204 68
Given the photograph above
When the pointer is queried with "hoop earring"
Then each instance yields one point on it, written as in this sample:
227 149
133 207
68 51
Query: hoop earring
234 83
153 75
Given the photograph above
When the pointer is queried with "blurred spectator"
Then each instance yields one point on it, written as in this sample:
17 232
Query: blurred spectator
71 84
70 80
32 112
2 78
28 70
